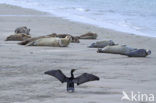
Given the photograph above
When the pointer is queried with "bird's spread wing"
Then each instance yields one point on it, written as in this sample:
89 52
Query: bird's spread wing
57 74
85 77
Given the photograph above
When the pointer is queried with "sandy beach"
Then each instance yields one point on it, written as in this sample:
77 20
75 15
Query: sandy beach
22 68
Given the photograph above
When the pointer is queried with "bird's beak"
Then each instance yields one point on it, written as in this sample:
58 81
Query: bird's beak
75 69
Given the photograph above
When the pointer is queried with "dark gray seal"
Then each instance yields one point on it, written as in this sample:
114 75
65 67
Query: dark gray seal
102 44
22 29
18 37
139 53
124 50
88 35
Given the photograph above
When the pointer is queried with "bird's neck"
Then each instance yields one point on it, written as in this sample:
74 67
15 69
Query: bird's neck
72 75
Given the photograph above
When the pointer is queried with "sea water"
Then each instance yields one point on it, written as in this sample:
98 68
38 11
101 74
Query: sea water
132 16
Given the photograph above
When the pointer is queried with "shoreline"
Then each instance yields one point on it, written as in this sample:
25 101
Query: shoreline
22 68
47 14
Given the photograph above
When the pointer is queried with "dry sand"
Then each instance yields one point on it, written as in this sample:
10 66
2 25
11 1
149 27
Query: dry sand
22 68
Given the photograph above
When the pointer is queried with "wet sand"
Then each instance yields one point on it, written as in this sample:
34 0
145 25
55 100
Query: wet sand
22 68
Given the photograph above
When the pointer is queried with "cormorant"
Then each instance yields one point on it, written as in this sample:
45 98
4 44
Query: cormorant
85 77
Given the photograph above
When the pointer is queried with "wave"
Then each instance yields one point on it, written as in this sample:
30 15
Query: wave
132 16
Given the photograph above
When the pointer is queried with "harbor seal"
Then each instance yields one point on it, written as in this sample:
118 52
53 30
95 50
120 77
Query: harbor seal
124 50
51 41
74 39
102 44
88 35
22 29
54 35
18 37
116 49
25 42
139 53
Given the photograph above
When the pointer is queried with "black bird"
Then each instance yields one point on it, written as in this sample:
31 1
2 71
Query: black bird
85 77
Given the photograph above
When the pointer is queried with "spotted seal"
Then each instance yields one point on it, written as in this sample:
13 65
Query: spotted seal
18 37
102 44
51 41
22 29
124 50
88 35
